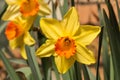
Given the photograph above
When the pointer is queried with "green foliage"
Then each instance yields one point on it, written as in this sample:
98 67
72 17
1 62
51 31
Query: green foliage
10 70
112 28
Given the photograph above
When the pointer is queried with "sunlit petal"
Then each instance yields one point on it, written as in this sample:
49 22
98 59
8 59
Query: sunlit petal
44 9
70 22
23 52
46 50
63 64
28 39
12 2
87 34
51 28
11 12
84 55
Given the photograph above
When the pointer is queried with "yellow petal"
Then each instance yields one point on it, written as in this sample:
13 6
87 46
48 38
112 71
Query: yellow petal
44 9
11 12
13 2
63 64
26 23
23 52
28 39
83 55
70 22
17 42
87 34
46 50
51 28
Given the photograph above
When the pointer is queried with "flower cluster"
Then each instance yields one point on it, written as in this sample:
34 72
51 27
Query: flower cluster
66 39
21 15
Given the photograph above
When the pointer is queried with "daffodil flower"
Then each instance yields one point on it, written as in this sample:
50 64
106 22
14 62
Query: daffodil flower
26 8
18 35
67 40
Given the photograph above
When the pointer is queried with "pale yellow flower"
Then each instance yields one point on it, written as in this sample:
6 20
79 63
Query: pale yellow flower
26 8
67 40
18 35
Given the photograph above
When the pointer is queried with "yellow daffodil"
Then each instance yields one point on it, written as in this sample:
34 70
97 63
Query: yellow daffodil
67 40
26 8
18 35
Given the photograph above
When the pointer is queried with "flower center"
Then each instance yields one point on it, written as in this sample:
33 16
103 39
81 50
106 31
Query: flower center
65 46
29 7
13 30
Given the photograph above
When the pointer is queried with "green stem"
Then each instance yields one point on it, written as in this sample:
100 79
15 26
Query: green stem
33 63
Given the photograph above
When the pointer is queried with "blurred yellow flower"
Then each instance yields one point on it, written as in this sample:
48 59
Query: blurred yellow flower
26 8
67 40
18 35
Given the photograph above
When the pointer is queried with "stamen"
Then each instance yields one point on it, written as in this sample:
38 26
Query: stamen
65 46
13 30
29 7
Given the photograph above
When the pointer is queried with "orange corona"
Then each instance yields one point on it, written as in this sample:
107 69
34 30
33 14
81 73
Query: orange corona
29 7
13 30
65 46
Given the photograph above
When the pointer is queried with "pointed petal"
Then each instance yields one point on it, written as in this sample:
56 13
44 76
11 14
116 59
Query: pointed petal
28 39
44 9
23 52
83 55
63 64
51 28
17 42
87 34
46 50
11 12
12 2
70 21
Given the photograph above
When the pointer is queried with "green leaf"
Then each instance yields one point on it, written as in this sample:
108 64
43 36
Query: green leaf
26 71
112 19
114 38
111 69
64 7
66 76
49 74
85 72
106 57
105 51
57 75
33 63
91 75
78 71
18 61
9 68
70 74
46 64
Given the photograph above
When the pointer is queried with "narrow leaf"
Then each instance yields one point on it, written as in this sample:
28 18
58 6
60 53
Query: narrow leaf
85 72
26 71
33 63
9 68
78 71
18 61
114 36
